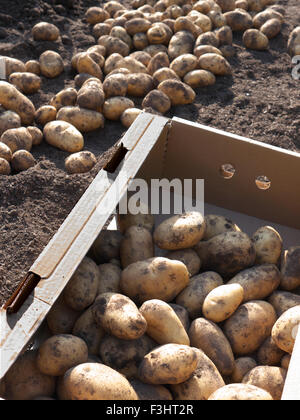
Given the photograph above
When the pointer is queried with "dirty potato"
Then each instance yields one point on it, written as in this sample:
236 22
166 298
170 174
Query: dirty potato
239 20
137 245
142 218
268 245
271 28
285 329
199 78
80 162
182 42
27 83
205 49
208 337
5 152
17 139
86 328
5 168
13 100
255 40
214 63
91 95
8 119
216 224
163 325
64 136
44 31
222 302
107 246
45 114
129 116
150 279
249 326
242 365
13 65
139 84
22 160
157 100
118 315
160 60
240 392
183 64
36 134
148 392
282 301
294 42
65 97
61 318
115 85
164 73
114 107
85 120
59 353
110 276
168 364
269 378
269 354
51 64
290 269
189 257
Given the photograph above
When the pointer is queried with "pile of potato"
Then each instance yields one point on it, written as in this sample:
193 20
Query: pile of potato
190 309
151 57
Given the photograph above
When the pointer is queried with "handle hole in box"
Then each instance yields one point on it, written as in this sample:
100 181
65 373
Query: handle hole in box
262 182
227 170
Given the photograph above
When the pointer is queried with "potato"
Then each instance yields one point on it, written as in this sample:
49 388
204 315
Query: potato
216 224
268 245
168 364
205 49
184 64
285 361
142 57
110 276
249 326
140 41
180 231
152 50
160 60
121 33
22 160
59 353
91 333
91 96
143 218
129 116
13 100
242 366
85 120
139 84
125 356
217 18
118 315
80 162
208 38
224 35
95 15
269 353
199 78
150 392
189 257
227 253
81 290
163 325
269 378
282 301
290 269
51 64
8 119
240 392
271 28
13 65
44 31
202 6
255 40
137 245
258 282
95 381
214 63
208 337
115 85
36 135
294 42
5 152
222 302
100 50
193 296
17 139
114 45
238 20
242 4
65 97
149 279
226 5
284 331
114 107
203 22
255 5
111 63
182 42
137 25
133 65
27 83
5 168
205 380
100 29
106 246
267 14
183 23
157 100
24 381
61 318
86 64
182 314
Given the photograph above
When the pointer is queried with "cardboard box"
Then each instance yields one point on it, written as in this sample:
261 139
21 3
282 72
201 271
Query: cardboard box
156 147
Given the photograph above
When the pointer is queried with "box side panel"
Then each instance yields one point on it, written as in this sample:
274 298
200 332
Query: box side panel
195 151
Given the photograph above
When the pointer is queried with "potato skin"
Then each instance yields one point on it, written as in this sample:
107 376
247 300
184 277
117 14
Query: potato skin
255 40
114 107
184 64
178 92
205 380
294 42
66 97
44 31
284 330
238 20
5 152
258 282
222 302
61 318
249 326
36 134
95 381
189 257
22 160
136 245
80 162
208 337
45 114
268 245
24 381
17 139
148 392
51 64
240 392
168 364
216 224
125 356
115 85
14 100
119 316
215 63
27 83
242 365
282 301
85 120
269 378
64 136
8 119
150 279
269 353
59 353
199 78
290 269
5 168
110 276
129 116
180 231
182 42
271 28
86 328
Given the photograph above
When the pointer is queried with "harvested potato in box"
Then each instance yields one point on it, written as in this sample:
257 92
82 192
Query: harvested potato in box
137 245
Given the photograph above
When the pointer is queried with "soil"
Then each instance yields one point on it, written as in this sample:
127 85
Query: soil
260 101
